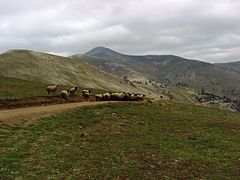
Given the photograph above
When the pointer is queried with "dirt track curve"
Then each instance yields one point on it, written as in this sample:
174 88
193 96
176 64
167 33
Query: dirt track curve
34 113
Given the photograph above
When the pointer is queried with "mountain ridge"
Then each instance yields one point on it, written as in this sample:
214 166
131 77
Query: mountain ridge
168 69
113 67
231 65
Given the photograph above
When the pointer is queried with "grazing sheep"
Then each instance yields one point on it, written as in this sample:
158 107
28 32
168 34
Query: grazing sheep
99 97
106 96
114 96
73 90
118 96
136 97
52 89
139 97
65 94
86 93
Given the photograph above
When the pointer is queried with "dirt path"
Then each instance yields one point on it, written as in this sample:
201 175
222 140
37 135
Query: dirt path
34 113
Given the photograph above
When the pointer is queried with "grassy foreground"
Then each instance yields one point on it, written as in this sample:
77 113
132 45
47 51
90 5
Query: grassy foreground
13 88
125 140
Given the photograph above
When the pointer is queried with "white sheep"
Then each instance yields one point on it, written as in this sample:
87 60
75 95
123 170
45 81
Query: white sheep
106 96
139 97
72 90
86 93
65 94
52 89
118 96
99 97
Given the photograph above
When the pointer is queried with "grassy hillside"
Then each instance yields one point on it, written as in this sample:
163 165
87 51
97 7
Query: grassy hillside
168 69
13 88
51 69
125 140
46 68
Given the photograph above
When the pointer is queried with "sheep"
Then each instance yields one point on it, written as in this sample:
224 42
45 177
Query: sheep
135 97
65 94
139 97
86 93
118 96
106 96
99 97
114 96
103 97
72 90
52 89
128 96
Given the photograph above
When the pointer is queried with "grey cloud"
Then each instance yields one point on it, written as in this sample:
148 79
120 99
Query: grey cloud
206 30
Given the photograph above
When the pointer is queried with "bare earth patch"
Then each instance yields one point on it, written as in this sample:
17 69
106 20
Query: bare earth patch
30 114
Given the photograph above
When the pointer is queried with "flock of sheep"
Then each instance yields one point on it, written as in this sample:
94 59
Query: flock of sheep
119 96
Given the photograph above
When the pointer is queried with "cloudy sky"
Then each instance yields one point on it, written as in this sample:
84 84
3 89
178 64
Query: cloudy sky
204 30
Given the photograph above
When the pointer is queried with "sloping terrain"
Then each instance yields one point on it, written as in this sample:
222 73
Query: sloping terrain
26 74
231 65
13 88
47 68
167 69
52 69
11 116
124 141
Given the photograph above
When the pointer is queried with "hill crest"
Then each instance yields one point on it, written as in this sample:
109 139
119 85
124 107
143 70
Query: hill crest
168 69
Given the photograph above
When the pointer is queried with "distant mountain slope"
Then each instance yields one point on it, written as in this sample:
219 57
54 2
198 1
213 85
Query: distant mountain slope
231 65
47 68
168 69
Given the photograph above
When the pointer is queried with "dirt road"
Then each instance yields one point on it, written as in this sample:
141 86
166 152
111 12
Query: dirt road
30 114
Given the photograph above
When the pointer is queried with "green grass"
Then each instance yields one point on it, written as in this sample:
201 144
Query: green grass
42 67
125 140
13 88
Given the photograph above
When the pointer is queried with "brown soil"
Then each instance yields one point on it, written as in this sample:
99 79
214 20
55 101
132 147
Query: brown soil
39 101
30 114
30 109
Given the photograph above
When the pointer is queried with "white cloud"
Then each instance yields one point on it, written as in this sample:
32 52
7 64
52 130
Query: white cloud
206 30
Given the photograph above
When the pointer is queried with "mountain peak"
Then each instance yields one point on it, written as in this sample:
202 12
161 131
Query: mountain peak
102 51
